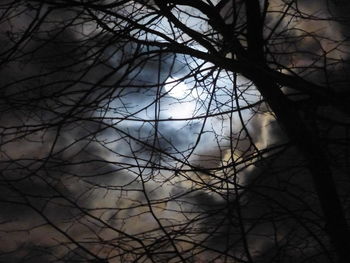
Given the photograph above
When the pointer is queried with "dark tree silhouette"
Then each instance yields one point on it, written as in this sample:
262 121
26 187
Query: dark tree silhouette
174 131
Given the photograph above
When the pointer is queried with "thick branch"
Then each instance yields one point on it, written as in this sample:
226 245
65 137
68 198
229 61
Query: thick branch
254 30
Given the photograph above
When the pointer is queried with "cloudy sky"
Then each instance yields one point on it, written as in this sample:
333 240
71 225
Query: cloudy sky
112 149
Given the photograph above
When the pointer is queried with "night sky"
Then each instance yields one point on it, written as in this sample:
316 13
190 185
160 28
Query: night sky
113 150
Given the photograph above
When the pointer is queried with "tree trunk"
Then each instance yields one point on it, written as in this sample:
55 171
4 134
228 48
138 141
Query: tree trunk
309 145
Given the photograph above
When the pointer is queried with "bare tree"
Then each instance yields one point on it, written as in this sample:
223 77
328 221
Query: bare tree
174 131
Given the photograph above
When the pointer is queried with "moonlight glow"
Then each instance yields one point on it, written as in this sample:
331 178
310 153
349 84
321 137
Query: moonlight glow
175 88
